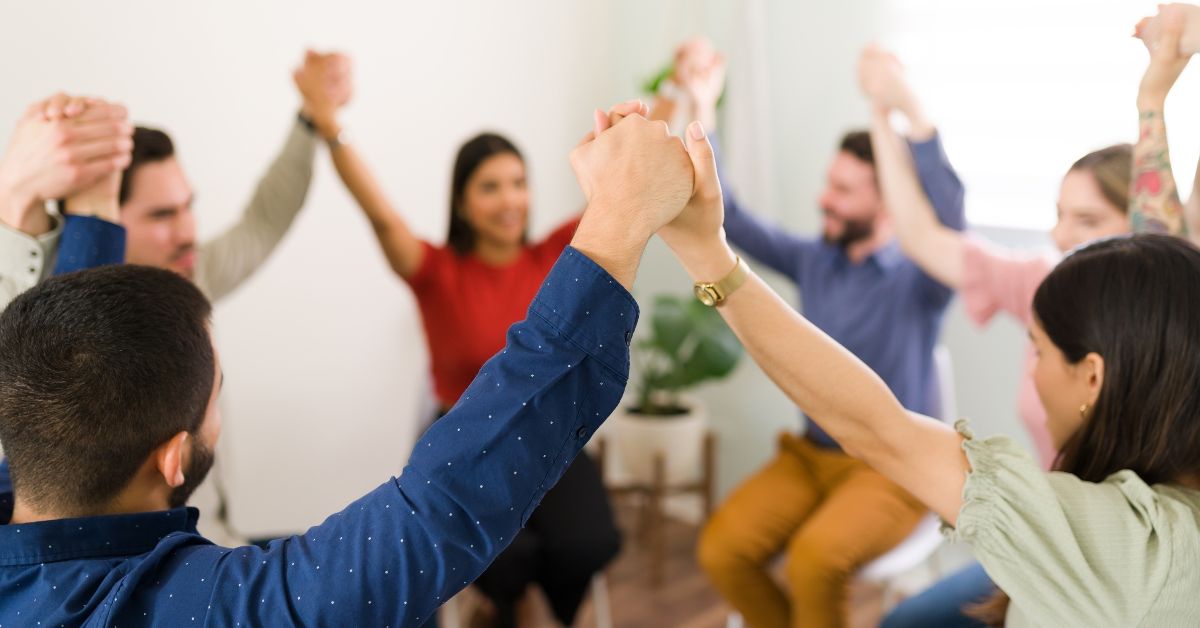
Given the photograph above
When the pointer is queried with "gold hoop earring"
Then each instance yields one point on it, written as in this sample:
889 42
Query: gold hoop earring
1083 411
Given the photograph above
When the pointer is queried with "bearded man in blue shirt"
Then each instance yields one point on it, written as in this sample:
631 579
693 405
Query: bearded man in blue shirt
826 512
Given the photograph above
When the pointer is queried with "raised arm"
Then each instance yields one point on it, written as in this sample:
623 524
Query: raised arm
63 148
699 78
324 81
935 246
394 556
229 259
830 384
1154 203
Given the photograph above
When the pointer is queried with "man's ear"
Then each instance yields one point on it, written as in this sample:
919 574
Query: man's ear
168 458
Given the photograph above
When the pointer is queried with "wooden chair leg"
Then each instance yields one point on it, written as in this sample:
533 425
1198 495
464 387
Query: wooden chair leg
658 534
709 477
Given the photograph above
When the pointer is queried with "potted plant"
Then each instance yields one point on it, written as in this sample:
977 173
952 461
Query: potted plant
688 344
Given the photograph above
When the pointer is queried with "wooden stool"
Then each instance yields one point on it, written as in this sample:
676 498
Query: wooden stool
651 528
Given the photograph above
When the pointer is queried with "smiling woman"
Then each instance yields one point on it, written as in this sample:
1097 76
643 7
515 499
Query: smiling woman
469 292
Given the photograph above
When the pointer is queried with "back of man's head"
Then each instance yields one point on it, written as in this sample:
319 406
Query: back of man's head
97 369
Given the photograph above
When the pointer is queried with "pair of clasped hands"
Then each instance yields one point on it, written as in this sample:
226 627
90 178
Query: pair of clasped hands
640 180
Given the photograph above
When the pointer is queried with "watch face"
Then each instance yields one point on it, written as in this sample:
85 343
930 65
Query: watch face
706 294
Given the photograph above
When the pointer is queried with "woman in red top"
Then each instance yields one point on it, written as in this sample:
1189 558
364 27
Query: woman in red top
470 291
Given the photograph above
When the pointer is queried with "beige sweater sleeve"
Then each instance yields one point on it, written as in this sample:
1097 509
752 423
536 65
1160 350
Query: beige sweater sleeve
224 262
26 260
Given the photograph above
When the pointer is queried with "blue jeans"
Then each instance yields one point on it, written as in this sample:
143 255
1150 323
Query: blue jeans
941 604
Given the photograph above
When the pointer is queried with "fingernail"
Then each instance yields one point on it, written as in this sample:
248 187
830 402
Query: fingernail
696 130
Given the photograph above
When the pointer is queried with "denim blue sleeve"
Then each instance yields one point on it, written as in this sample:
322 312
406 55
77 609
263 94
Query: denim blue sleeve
783 252
88 242
940 181
946 194
394 556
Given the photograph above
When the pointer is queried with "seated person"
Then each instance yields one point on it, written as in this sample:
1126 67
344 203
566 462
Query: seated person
108 404
1103 540
826 512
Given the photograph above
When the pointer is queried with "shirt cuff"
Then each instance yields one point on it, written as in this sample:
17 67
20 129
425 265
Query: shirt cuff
88 242
929 151
589 308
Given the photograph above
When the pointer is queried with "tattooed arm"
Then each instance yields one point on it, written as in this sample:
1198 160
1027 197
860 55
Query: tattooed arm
1154 203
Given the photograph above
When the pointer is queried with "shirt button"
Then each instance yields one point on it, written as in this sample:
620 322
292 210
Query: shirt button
581 432
33 253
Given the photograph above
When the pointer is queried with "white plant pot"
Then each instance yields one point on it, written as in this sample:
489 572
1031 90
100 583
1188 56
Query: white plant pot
680 439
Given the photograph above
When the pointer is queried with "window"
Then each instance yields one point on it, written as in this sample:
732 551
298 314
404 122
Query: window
1023 88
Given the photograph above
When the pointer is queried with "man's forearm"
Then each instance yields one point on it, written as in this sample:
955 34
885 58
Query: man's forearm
474 478
1154 204
232 257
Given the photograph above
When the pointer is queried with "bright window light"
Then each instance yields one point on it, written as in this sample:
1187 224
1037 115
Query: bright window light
1023 88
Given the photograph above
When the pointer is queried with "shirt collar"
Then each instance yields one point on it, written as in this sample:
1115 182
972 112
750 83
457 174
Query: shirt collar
87 537
889 257
886 258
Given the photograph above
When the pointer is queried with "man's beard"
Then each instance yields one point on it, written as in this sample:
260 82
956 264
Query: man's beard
193 476
853 232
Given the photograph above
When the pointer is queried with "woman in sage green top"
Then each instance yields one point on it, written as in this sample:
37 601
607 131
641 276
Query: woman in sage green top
1111 537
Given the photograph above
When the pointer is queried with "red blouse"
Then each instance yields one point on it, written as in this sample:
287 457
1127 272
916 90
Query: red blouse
467 306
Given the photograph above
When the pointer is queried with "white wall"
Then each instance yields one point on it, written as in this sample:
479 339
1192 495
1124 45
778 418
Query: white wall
323 348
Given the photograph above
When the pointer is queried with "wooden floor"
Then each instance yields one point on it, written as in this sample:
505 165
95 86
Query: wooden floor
685 599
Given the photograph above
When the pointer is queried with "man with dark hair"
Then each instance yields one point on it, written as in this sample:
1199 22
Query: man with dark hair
827 512
152 224
156 209
108 400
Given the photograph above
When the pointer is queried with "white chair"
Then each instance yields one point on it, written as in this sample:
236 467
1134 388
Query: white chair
451 611
918 548
921 545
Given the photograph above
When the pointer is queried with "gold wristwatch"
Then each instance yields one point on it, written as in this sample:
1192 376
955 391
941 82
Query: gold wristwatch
713 294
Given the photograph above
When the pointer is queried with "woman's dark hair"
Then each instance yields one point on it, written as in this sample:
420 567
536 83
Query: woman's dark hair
1134 301
472 155
97 369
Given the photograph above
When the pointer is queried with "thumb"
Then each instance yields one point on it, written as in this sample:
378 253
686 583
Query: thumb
704 162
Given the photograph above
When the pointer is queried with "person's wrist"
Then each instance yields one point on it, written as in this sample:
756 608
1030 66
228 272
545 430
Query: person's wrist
920 127
16 206
605 234
705 257
1151 101
102 207
328 126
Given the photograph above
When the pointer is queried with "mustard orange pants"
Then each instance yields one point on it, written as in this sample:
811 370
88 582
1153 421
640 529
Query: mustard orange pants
826 512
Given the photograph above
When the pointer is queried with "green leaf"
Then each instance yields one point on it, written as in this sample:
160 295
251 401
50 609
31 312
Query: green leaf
653 83
671 324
